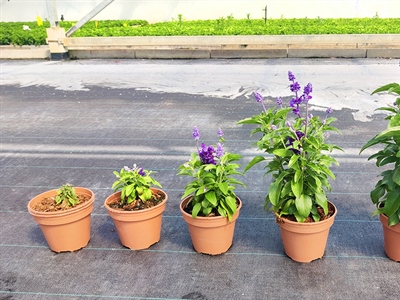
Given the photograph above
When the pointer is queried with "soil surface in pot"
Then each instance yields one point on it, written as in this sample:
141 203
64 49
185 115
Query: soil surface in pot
138 204
48 204
323 216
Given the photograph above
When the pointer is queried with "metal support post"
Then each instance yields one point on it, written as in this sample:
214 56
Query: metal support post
266 12
89 16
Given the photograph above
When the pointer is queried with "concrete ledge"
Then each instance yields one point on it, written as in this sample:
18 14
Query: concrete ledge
24 52
266 53
203 47
102 53
172 53
383 53
326 53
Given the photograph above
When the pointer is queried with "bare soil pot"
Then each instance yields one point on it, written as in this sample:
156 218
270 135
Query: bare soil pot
137 229
67 230
305 242
210 235
391 237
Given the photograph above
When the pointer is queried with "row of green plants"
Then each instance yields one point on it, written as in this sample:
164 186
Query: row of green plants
13 33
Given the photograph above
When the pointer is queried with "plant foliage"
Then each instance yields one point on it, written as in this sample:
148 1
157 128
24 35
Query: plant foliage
66 196
386 194
300 166
135 184
213 185
13 33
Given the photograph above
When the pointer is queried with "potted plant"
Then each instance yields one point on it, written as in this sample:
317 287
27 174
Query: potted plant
386 194
136 207
64 216
298 157
210 206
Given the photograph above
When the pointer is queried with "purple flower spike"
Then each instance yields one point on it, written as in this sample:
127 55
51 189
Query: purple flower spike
141 172
258 96
279 101
308 89
291 76
207 154
196 133
220 132
220 150
329 110
295 87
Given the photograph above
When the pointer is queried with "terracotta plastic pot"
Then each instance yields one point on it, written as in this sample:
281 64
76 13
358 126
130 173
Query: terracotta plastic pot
305 242
137 229
391 237
67 230
210 235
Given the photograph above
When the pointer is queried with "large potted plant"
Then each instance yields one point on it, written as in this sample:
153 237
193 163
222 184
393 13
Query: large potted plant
136 207
210 206
64 216
298 157
386 194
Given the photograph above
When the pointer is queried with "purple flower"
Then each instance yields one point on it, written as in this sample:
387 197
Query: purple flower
207 154
291 76
220 150
295 87
329 110
220 132
279 101
290 141
273 127
296 111
258 96
141 172
196 133
308 89
295 102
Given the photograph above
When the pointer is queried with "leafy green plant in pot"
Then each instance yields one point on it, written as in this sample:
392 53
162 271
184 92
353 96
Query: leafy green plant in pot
299 159
64 216
136 207
386 194
210 205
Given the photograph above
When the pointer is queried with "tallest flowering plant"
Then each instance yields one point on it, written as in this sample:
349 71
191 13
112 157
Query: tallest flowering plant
300 164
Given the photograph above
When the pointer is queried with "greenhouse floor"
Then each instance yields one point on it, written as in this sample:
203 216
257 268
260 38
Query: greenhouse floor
78 121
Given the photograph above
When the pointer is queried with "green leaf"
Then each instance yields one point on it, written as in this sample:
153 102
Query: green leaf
282 152
293 160
254 161
297 187
196 209
223 186
210 196
396 176
322 201
304 205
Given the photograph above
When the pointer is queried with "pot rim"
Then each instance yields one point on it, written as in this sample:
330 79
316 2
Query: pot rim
330 219
79 190
159 205
206 218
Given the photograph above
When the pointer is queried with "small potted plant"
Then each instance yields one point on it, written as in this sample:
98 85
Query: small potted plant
298 158
210 206
386 194
64 216
136 207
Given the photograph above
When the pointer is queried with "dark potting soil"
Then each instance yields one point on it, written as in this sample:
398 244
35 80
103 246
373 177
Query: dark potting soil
138 204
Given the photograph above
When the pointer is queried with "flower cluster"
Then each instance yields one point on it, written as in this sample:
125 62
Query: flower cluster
300 163
135 184
208 154
212 188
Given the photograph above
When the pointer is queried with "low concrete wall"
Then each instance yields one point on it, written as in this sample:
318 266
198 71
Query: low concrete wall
203 47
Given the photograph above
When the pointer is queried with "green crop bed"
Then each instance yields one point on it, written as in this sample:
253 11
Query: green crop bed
12 33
